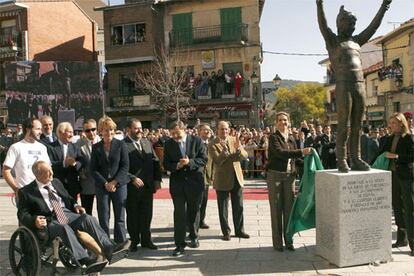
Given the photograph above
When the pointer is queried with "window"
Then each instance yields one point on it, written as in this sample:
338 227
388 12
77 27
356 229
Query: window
128 34
127 85
397 107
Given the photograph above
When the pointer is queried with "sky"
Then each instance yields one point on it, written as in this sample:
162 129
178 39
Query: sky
290 26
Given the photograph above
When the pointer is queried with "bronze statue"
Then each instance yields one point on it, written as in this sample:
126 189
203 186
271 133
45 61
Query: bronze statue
344 51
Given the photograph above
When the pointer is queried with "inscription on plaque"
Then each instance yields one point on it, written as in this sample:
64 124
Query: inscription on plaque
364 195
365 239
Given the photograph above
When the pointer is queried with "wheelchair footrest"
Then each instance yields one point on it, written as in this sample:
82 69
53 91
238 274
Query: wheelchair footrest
119 255
94 268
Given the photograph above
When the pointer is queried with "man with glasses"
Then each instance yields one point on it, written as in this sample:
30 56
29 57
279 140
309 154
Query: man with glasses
87 182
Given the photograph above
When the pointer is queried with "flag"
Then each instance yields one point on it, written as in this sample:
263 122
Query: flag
302 216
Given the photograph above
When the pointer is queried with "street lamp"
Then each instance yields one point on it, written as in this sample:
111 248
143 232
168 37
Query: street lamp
276 81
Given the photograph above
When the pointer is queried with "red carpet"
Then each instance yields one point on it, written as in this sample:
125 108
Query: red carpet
248 194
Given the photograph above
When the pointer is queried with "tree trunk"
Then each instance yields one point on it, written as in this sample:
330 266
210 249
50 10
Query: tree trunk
177 108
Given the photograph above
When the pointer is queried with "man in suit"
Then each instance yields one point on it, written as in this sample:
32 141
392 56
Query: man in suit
205 135
145 173
226 153
328 144
67 161
47 137
45 205
364 143
185 157
87 182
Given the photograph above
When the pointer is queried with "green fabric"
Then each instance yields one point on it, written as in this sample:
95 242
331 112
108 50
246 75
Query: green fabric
381 162
302 216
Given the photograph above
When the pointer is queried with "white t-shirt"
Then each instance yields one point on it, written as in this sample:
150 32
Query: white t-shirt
21 156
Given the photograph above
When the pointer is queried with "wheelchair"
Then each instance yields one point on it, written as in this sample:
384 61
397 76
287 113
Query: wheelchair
28 253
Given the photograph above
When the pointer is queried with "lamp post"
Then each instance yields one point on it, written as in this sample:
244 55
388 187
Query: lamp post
254 78
276 84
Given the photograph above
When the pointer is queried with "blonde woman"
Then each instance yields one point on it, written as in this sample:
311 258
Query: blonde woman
399 148
109 168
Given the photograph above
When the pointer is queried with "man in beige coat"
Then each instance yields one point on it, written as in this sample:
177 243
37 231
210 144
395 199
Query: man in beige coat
226 153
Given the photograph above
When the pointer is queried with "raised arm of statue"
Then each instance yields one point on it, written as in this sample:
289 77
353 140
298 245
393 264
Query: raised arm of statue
323 24
366 34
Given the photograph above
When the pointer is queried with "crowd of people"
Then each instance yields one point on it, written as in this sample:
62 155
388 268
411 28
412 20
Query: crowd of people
123 169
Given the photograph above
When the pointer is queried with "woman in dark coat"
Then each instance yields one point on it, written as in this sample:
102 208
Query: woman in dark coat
109 168
399 148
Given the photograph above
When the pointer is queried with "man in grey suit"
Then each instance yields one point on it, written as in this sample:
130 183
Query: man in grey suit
86 180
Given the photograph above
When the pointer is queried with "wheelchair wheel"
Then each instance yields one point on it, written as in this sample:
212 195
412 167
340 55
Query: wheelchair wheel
66 257
24 253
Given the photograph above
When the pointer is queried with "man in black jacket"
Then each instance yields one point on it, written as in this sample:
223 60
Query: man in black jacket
47 137
66 159
145 173
45 205
185 157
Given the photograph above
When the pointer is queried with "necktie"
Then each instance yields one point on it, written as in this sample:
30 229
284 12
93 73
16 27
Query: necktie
182 148
60 215
51 139
139 146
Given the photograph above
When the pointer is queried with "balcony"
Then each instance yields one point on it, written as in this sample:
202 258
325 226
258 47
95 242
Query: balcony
210 34
387 85
12 41
221 93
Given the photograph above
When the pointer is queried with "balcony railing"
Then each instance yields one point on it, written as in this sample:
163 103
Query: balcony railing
200 35
11 40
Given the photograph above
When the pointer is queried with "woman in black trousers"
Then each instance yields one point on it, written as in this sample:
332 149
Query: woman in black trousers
109 168
399 148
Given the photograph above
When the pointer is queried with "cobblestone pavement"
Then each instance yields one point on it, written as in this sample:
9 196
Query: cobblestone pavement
216 257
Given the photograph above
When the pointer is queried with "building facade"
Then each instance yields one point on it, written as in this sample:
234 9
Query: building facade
217 42
44 30
396 78
220 42
133 32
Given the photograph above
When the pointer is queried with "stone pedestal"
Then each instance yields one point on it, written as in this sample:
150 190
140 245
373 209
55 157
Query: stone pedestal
353 216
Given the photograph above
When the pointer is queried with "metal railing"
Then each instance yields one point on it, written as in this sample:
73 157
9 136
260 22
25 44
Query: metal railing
11 40
200 35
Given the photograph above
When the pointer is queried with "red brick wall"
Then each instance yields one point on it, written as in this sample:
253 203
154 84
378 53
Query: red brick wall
59 31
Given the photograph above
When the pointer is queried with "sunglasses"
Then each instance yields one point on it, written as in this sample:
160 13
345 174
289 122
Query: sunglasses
90 129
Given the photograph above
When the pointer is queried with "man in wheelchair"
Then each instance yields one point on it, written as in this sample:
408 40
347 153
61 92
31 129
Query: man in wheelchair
47 209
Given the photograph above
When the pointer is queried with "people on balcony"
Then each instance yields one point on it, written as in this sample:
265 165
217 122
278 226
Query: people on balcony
238 82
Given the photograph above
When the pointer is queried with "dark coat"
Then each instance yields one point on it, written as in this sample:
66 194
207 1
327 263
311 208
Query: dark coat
116 165
69 176
405 151
144 165
192 175
32 204
45 141
280 151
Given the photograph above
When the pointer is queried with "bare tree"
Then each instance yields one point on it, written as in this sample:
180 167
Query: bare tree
168 82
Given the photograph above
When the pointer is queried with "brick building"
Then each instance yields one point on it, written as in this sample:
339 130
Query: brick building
208 38
47 30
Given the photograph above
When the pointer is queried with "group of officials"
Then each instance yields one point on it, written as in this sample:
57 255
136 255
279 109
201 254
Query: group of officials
48 172
125 175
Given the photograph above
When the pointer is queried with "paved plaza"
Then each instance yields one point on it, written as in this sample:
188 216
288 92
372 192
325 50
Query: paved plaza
254 256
